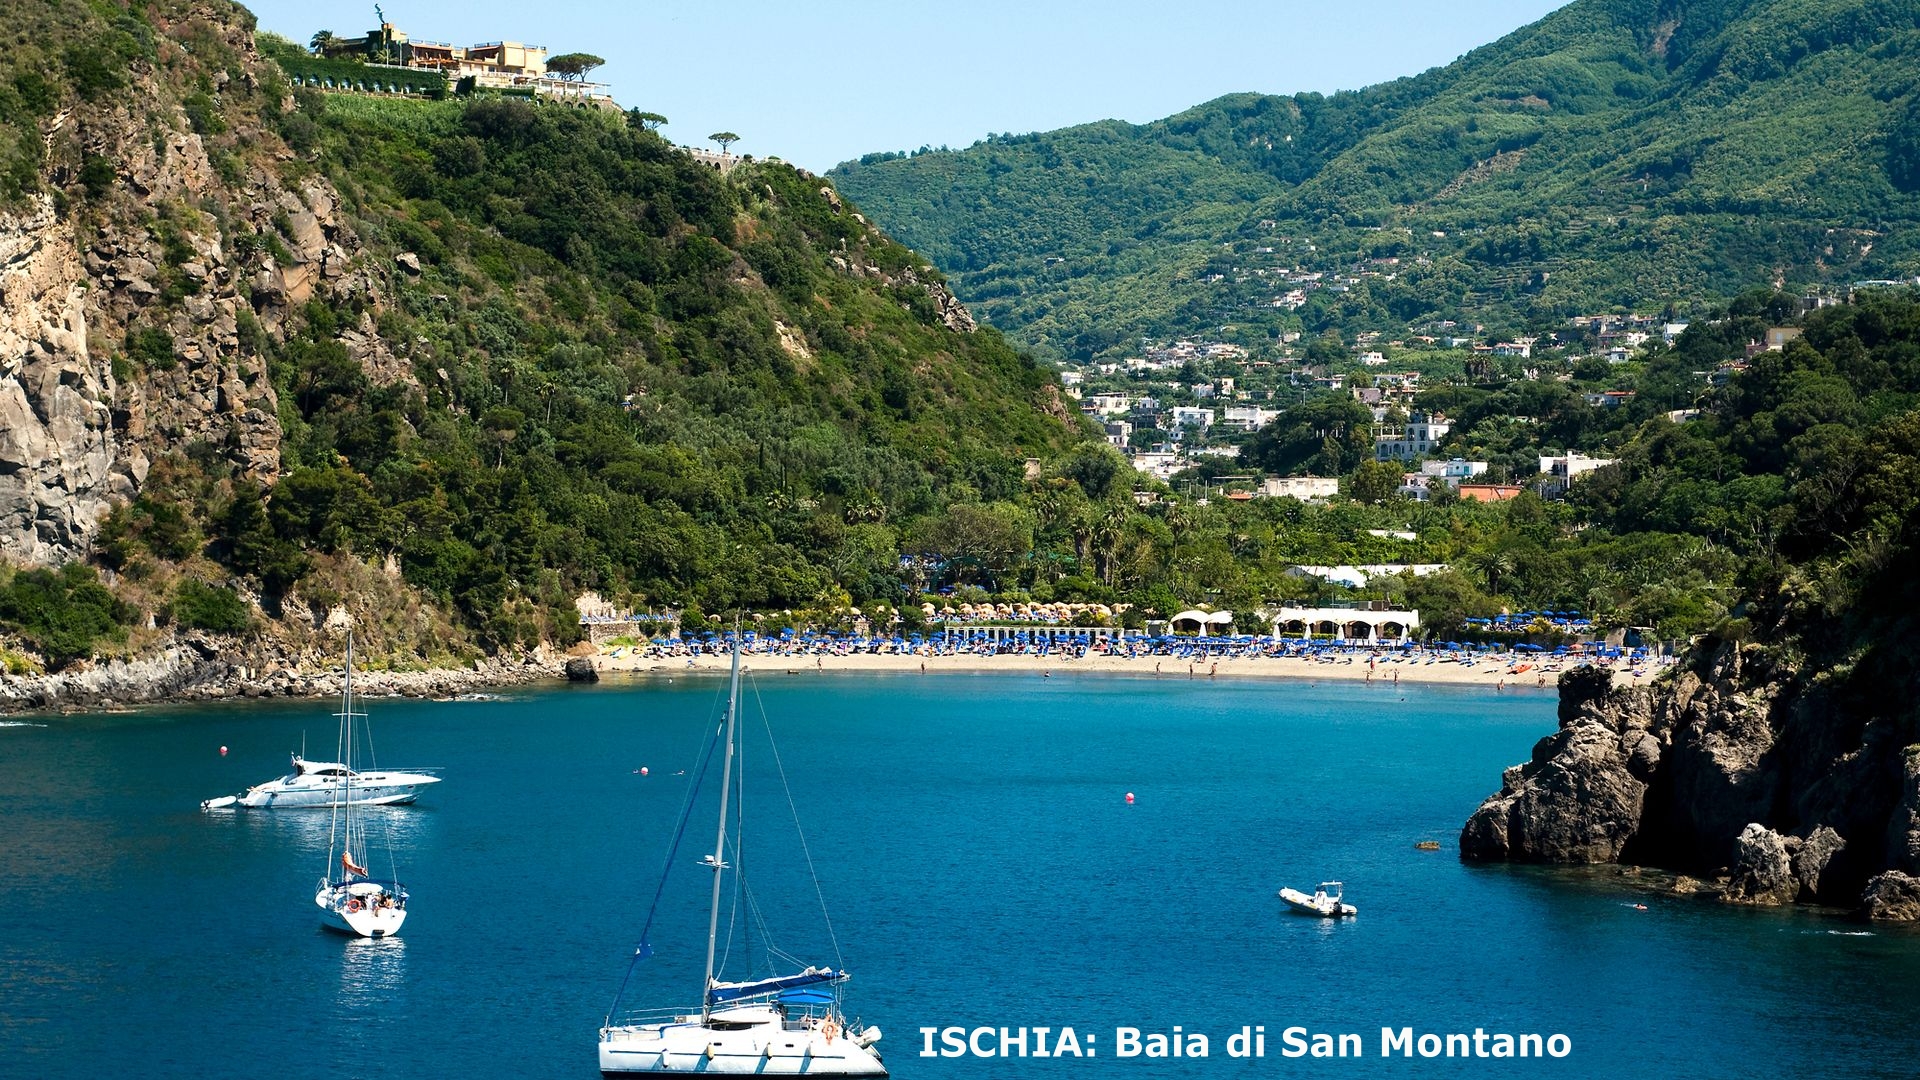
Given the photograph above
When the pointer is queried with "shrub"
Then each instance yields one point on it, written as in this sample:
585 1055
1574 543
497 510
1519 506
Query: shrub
63 613
199 606
152 348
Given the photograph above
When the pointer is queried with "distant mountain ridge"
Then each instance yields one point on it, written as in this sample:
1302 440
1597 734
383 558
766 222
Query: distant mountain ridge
1615 153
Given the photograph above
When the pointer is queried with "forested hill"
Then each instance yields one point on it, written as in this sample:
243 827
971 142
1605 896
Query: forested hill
476 352
1616 153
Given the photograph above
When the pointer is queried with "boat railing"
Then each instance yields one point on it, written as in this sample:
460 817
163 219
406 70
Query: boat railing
792 1018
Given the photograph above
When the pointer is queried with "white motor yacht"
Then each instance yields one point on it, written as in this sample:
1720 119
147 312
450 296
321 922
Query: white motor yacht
325 784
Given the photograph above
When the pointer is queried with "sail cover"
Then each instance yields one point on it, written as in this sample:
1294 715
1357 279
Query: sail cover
735 991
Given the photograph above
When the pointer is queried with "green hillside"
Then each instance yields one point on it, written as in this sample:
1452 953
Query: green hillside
1617 153
544 351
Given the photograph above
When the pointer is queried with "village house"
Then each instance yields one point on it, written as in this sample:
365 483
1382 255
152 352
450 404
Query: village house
1304 488
1415 439
1248 418
1559 471
1187 416
1418 486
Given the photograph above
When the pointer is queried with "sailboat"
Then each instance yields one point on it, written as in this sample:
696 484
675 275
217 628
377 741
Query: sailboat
784 1024
350 898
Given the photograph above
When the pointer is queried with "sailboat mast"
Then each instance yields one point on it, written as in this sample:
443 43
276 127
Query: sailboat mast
720 831
346 760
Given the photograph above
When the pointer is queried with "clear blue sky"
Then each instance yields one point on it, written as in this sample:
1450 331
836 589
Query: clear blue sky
819 82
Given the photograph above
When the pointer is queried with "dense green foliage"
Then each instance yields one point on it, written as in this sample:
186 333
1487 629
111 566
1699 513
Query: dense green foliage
64 614
635 375
53 56
1618 153
199 606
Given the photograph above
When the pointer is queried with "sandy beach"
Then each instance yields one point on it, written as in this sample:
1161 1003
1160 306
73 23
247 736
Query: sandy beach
1492 672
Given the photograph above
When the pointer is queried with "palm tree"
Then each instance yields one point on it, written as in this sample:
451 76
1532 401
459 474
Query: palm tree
323 43
1493 566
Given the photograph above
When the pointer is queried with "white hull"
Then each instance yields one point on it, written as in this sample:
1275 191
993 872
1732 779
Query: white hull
752 1041
314 793
357 917
1320 904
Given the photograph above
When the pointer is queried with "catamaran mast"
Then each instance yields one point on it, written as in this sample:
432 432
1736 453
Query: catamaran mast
346 758
720 833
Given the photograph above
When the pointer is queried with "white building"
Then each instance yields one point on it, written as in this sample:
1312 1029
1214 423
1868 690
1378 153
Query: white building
1304 488
1190 416
1248 418
1357 576
1562 470
1110 404
1352 623
1417 439
1418 485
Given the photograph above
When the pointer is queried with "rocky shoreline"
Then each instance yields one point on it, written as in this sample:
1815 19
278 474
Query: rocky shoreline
1754 787
200 667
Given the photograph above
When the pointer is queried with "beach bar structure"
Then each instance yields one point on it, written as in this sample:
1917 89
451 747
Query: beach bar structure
1357 623
1035 633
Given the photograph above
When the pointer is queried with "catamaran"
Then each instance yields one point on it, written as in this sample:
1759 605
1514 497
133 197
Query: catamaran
786 1023
352 900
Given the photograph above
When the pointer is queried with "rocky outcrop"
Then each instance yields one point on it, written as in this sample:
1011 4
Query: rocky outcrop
130 320
1752 779
1892 897
581 669
1579 798
1762 868
198 667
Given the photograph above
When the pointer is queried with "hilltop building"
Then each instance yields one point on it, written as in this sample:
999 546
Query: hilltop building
492 65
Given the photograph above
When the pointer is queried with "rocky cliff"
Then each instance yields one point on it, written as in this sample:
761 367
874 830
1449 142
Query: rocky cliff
1767 783
133 309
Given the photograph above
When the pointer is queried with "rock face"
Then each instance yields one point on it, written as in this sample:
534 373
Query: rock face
1893 897
1578 800
1754 780
57 452
130 327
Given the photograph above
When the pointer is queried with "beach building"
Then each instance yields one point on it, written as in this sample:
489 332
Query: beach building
603 621
1200 622
1369 620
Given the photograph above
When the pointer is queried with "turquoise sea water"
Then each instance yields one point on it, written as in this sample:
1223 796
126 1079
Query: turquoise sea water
981 866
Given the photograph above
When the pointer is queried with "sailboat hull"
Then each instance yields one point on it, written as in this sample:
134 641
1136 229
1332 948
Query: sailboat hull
349 914
770 1049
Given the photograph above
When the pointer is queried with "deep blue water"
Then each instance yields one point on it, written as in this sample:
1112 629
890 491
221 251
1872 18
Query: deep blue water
980 864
